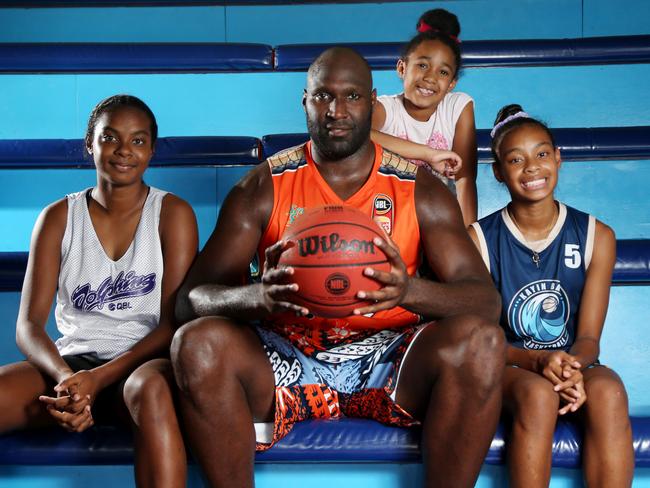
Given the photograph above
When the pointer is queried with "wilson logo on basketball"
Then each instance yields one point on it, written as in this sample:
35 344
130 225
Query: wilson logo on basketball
311 245
331 248
337 283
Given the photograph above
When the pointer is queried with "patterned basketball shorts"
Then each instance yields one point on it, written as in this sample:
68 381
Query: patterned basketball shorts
356 379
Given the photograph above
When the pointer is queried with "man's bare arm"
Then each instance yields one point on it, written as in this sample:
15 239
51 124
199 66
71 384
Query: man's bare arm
464 286
215 284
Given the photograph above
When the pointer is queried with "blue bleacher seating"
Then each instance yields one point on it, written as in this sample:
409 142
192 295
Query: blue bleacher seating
129 57
343 440
533 52
227 57
576 144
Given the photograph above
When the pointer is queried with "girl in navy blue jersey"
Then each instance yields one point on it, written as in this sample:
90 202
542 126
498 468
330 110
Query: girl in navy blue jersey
553 266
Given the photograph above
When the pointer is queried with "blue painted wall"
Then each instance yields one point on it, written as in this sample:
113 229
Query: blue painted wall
611 18
26 192
116 24
285 24
480 19
276 475
255 104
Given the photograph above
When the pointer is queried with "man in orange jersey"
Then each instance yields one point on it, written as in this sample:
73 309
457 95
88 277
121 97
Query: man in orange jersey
422 352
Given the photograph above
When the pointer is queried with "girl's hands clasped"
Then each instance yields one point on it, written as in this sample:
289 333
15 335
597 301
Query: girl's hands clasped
71 408
563 370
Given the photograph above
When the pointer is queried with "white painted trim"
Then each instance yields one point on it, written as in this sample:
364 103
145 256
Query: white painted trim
591 233
482 244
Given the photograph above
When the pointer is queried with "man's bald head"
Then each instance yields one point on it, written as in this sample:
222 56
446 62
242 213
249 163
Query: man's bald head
340 59
338 103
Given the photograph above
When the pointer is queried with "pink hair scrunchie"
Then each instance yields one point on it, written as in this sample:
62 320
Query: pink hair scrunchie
424 27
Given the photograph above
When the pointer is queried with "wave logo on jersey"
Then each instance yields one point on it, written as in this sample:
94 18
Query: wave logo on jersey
538 314
127 285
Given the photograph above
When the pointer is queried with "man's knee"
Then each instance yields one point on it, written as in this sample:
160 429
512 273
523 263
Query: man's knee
474 339
477 350
200 350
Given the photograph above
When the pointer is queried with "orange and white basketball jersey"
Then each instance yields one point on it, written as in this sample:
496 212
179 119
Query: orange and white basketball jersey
388 197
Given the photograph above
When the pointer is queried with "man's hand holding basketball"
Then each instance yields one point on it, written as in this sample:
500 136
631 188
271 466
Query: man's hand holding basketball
395 282
277 287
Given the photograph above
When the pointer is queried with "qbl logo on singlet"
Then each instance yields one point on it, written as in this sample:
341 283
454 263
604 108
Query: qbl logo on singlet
538 314
124 286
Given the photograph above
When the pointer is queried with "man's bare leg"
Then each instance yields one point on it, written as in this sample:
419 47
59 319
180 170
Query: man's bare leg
451 380
226 382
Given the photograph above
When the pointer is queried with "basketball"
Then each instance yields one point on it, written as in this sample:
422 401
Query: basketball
332 247
550 304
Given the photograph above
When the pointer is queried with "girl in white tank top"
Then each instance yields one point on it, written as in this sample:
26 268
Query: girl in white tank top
115 256
105 306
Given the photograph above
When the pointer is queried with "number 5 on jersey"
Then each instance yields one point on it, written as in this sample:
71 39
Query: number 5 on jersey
572 257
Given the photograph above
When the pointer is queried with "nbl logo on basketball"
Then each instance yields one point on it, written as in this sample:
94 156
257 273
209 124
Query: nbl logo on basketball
538 314
337 283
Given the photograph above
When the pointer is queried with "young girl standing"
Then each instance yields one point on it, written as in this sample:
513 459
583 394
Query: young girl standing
114 256
553 267
428 113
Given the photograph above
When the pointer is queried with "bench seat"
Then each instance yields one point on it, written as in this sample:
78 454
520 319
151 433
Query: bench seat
313 441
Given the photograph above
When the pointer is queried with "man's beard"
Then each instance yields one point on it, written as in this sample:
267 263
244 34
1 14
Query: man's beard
335 149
